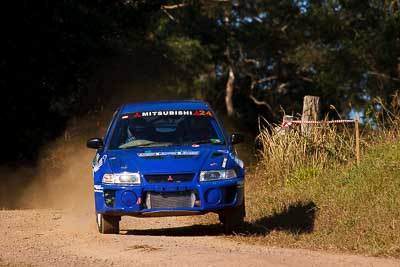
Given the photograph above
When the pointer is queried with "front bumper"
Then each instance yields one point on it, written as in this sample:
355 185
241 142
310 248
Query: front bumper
133 200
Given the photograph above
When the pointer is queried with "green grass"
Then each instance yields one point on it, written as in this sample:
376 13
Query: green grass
340 207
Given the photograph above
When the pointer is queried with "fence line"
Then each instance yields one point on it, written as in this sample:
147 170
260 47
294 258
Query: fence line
322 122
288 120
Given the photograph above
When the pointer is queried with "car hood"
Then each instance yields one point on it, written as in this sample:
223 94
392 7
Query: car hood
167 160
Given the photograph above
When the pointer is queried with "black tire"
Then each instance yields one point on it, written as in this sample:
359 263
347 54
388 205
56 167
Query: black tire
108 224
232 218
221 217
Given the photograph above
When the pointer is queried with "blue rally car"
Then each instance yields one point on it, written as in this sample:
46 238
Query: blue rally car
167 158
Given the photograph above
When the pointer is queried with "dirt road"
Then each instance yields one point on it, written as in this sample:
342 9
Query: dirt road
65 234
65 238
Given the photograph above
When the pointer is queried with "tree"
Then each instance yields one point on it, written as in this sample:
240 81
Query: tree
277 52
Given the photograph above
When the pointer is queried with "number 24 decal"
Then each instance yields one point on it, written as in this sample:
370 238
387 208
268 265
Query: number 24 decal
202 113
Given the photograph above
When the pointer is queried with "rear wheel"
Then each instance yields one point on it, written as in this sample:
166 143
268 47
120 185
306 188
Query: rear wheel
232 218
108 224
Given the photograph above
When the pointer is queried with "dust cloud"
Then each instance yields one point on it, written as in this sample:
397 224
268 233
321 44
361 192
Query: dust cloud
62 177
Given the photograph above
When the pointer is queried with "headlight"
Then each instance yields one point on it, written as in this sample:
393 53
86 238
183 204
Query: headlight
122 178
217 175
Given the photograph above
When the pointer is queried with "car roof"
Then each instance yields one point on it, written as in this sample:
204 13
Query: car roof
164 105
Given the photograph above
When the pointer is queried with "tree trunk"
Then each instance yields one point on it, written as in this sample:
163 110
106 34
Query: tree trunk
230 110
310 112
229 93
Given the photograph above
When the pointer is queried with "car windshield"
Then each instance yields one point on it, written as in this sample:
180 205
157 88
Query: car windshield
165 128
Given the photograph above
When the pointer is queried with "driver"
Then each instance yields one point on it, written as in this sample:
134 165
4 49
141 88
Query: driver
136 130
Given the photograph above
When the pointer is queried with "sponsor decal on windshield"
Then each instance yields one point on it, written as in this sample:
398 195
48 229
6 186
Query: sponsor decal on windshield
173 113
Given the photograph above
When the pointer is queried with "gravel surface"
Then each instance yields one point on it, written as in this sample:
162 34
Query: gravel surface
48 237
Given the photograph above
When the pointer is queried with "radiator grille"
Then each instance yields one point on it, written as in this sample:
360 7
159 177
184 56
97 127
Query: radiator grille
170 200
169 178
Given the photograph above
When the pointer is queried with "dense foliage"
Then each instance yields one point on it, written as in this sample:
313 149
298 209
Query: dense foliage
347 52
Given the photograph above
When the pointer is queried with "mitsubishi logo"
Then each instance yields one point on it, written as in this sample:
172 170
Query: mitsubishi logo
170 179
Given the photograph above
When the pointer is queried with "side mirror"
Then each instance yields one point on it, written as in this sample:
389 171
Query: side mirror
95 143
236 138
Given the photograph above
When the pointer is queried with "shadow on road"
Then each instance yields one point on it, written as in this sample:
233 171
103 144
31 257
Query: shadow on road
297 218
194 230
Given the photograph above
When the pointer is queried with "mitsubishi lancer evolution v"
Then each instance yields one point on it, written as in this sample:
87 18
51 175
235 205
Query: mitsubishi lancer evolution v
167 158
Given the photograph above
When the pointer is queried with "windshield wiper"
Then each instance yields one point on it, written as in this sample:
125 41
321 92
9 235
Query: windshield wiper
199 142
155 144
137 143
206 141
147 144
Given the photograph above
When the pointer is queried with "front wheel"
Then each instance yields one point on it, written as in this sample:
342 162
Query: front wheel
108 224
232 218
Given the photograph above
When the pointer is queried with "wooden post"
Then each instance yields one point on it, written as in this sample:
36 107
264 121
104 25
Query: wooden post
310 112
357 130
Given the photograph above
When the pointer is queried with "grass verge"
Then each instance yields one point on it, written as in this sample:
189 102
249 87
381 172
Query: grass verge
344 207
